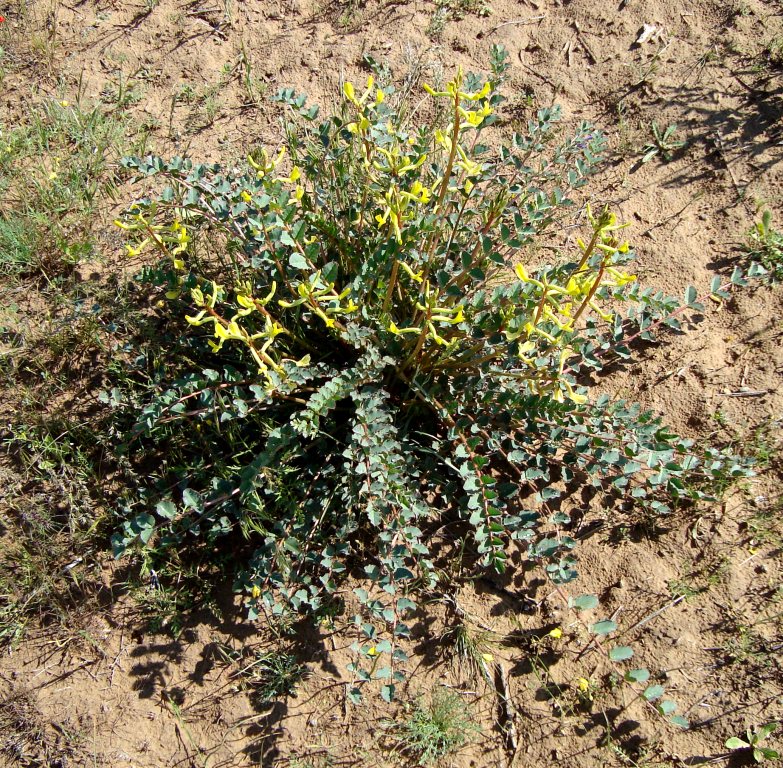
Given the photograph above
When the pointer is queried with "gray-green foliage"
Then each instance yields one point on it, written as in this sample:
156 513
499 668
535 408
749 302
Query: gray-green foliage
437 728
384 366
753 742
765 246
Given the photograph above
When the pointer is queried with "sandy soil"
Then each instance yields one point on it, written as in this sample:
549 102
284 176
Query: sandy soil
699 597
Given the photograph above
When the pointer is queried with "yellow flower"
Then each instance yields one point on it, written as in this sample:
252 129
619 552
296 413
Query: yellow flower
64 103
417 276
373 651
246 196
52 175
583 684
256 591
349 92
487 658
556 633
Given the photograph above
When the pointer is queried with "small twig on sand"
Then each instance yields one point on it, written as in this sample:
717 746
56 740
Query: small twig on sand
651 616
531 20
585 45
746 393
507 713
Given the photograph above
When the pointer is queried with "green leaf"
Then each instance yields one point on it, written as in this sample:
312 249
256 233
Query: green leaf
638 675
680 721
404 605
329 272
297 261
621 653
653 692
583 602
736 743
387 692
384 673
603 627
691 294
667 707
192 500
765 730
167 509
146 527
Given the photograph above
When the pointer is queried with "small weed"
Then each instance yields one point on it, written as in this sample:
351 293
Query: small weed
122 91
764 524
631 754
472 648
437 23
684 588
320 759
773 52
699 579
720 418
350 14
461 8
746 648
23 738
55 168
765 444
765 245
453 10
437 729
752 742
646 71
205 104
739 9
710 56
625 142
272 675
663 143
253 87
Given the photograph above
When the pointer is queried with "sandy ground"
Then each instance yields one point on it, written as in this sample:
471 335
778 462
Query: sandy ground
698 597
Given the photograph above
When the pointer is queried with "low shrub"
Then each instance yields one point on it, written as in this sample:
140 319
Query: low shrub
393 323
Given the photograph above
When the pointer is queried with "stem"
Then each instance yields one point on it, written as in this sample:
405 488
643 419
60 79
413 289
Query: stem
590 295
390 288
452 154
